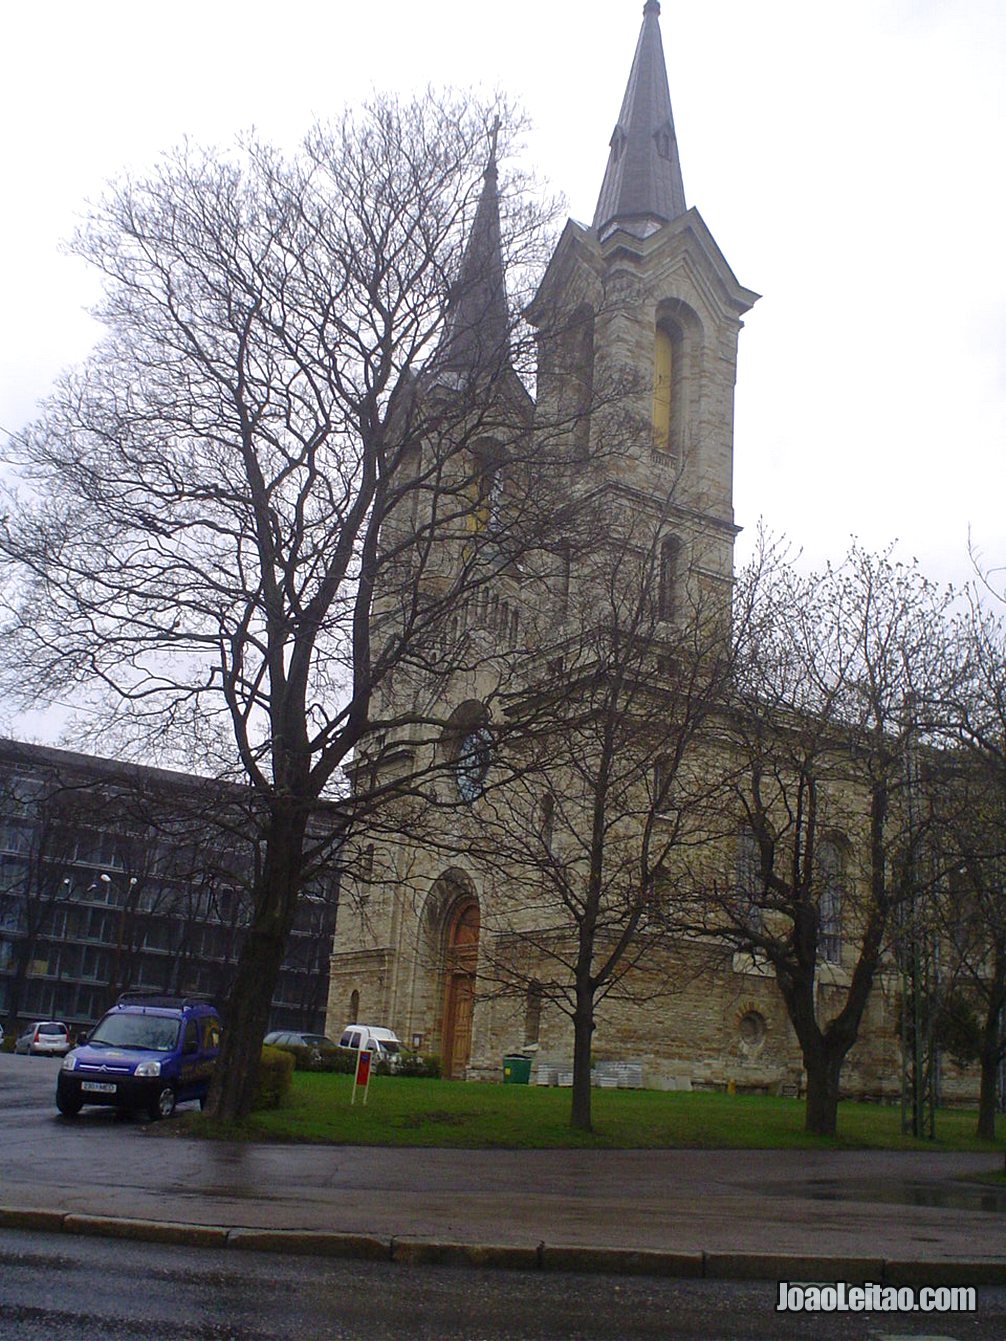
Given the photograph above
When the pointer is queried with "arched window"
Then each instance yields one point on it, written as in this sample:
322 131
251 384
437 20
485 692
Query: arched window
663 388
546 820
354 1007
669 577
563 568
367 864
831 872
581 380
532 1014
486 488
663 777
677 339
748 880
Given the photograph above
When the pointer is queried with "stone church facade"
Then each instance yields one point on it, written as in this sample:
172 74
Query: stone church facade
648 303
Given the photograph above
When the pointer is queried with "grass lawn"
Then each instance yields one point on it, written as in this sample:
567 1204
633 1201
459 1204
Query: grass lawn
477 1115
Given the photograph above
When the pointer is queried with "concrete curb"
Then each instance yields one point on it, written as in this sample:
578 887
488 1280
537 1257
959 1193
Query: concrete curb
623 1261
311 1243
541 1257
431 1252
146 1231
792 1266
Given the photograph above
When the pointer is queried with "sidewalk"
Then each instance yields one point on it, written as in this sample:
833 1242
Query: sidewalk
898 1218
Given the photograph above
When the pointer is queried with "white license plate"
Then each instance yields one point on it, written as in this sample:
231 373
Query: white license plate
97 1087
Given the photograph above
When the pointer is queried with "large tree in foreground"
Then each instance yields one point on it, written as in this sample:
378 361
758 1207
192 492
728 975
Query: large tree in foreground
210 504
836 675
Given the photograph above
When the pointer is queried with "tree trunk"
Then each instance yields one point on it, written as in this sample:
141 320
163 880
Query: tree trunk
583 1034
987 1097
824 1069
235 1078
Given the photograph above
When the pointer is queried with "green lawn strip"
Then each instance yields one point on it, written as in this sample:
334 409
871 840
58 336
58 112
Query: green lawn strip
406 1112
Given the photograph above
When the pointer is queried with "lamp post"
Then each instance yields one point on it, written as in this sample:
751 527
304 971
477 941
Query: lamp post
120 931
918 1110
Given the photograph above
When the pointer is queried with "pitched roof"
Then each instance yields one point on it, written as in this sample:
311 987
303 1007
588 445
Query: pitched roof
642 186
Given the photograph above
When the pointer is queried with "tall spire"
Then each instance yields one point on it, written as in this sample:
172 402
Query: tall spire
642 186
476 339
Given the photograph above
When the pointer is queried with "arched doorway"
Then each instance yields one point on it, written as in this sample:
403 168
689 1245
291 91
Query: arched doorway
461 950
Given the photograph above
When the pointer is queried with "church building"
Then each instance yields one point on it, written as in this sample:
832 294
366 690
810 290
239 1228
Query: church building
639 316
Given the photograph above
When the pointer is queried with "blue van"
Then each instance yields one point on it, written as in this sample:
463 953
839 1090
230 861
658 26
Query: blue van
148 1053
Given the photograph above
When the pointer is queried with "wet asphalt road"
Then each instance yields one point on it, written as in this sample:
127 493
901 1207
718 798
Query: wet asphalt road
64 1288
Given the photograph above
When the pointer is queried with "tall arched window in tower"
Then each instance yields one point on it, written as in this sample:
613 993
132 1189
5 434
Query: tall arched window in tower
669 578
581 379
677 342
663 387
485 487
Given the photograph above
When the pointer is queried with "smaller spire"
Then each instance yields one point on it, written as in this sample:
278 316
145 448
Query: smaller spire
477 336
642 186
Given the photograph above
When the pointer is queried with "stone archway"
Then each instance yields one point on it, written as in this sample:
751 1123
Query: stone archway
461 949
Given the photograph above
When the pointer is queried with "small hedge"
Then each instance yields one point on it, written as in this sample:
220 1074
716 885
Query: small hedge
274 1076
307 1058
425 1065
343 1061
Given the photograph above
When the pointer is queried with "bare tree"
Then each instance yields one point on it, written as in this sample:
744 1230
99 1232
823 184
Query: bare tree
833 672
971 831
597 783
968 912
258 447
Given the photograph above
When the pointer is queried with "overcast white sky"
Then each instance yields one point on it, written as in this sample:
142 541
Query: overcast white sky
849 159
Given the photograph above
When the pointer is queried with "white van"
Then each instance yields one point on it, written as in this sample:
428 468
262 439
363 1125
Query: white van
383 1043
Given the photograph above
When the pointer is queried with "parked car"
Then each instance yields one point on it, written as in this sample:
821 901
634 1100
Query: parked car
147 1053
383 1043
312 1047
44 1038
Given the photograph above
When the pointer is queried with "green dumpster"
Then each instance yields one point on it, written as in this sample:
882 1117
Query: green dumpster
516 1070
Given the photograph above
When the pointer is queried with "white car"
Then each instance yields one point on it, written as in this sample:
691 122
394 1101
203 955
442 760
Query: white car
45 1038
383 1043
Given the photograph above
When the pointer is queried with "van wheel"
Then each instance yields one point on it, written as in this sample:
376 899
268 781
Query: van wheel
68 1106
164 1105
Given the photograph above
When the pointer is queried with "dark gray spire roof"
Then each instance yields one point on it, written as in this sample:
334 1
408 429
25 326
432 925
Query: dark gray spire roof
477 333
642 186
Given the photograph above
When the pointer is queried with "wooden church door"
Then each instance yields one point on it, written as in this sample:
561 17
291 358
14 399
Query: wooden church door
461 960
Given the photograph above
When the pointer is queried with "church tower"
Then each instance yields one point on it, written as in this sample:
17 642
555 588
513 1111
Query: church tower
645 299
638 316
